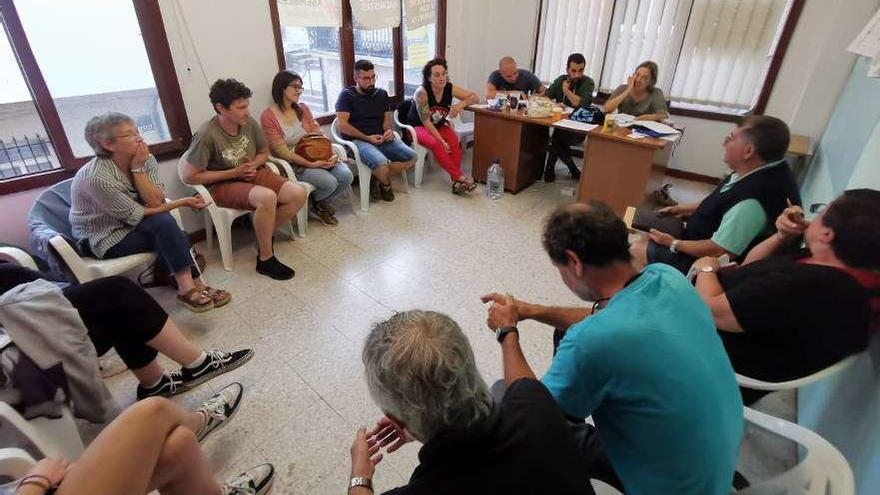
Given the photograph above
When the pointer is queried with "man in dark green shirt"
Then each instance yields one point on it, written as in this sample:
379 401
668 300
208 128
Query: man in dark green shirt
573 89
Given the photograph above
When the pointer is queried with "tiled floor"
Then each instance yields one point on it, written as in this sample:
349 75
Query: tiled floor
304 391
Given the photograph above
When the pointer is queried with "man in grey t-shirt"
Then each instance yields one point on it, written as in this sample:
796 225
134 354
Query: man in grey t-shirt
228 156
509 78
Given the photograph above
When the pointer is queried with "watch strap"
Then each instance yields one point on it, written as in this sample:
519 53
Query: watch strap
501 333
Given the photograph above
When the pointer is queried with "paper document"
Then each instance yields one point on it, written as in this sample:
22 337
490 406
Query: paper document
657 127
867 43
480 105
574 125
623 119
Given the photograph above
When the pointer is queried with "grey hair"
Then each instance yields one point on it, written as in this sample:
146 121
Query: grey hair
100 127
420 369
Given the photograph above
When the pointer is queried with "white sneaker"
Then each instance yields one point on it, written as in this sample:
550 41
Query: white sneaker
218 410
255 481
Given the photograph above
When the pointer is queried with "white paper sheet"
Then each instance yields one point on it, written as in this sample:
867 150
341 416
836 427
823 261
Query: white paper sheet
867 43
574 125
657 127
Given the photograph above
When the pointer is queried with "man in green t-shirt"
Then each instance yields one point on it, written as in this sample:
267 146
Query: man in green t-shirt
573 89
228 156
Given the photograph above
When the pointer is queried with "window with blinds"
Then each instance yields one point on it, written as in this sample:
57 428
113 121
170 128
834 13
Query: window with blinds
713 55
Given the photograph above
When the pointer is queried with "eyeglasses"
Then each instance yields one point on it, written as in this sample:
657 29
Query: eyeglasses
367 78
131 135
296 87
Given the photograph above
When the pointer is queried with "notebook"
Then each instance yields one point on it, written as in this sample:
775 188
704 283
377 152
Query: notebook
646 219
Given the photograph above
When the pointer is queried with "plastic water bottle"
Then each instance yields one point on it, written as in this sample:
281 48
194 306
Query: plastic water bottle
495 180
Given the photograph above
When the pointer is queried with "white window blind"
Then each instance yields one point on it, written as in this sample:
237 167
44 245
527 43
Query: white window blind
712 54
644 30
727 51
572 26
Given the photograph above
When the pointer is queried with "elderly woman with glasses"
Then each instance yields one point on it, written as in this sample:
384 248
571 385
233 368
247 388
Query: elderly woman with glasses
285 123
118 208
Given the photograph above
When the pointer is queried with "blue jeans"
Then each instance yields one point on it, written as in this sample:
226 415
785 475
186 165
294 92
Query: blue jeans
158 233
328 183
375 156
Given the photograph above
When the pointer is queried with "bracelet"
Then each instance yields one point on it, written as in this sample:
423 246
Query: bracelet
35 479
360 481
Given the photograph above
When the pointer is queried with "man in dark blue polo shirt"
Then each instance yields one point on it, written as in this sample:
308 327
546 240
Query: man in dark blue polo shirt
364 114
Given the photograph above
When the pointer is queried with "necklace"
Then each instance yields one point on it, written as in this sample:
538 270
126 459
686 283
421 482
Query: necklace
601 303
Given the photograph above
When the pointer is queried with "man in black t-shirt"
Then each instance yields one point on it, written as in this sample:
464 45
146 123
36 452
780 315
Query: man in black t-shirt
421 371
785 317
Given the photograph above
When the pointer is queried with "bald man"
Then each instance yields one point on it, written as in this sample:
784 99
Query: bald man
509 78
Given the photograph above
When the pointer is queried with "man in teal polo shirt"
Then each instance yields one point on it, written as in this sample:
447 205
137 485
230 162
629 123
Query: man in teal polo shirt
740 212
645 361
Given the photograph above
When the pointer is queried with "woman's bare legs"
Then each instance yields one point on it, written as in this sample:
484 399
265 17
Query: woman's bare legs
151 445
170 342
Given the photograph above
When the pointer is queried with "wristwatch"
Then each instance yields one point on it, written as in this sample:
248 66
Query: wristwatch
502 332
361 481
707 269
674 246
139 170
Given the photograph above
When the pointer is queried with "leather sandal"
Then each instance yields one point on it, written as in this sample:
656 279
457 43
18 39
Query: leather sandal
220 297
196 300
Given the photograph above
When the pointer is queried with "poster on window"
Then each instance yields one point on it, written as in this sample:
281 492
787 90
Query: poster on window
310 13
420 13
375 14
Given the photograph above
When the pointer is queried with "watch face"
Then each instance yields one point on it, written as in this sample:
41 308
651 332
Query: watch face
706 269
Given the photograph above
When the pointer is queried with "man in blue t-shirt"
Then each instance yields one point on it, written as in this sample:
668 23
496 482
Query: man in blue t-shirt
364 115
644 361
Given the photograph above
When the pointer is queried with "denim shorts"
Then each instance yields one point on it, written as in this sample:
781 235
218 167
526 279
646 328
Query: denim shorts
374 156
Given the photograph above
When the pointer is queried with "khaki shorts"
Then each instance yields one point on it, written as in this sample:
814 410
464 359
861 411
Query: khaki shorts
234 193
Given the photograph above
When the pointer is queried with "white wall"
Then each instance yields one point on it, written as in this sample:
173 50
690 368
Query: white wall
479 33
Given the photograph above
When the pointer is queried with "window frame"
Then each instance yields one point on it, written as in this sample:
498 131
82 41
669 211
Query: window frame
788 28
149 18
346 48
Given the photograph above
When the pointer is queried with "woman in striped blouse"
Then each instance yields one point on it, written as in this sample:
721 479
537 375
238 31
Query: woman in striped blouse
118 208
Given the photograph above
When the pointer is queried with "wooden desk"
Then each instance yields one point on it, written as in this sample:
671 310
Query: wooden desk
518 141
616 168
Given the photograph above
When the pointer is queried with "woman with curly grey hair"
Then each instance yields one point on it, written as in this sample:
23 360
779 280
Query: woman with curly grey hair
421 372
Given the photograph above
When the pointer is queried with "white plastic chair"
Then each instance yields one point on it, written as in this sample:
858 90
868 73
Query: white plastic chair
17 256
302 216
822 469
754 384
53 437
421 151
87 268
215 216
14 464
363 172
464 130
